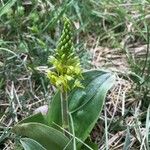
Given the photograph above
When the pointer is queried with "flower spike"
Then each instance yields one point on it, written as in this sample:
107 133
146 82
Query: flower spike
66 64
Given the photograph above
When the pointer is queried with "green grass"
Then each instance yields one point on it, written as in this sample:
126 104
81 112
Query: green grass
28 34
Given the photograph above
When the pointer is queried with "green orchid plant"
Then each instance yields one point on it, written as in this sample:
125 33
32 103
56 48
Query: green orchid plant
67 69
75 107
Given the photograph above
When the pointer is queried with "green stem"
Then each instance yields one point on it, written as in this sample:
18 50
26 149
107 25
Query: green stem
64 112
73 132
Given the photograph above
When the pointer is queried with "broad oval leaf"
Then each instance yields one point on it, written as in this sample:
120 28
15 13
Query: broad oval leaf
86 113
30 144
48 137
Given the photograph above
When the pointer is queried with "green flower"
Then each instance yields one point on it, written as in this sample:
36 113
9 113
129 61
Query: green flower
66 64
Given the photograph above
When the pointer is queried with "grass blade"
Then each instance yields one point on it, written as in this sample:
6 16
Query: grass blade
4 9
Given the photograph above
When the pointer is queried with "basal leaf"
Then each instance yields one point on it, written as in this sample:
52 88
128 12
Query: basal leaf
86 113
48 137
30 144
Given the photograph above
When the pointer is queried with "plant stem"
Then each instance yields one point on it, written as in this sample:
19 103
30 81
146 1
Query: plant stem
64 112
73 132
